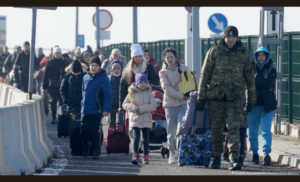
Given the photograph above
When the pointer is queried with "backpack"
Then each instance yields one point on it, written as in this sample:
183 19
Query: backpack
188 83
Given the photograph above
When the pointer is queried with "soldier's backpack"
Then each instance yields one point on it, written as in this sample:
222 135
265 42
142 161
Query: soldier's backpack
188 83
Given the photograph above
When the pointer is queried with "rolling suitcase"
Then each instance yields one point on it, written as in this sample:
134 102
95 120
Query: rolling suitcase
195 146
63 121
117 138
76 141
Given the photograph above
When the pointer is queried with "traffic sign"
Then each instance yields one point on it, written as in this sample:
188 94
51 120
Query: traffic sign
105 35
272 22
217 23
81 41
189 9
106 19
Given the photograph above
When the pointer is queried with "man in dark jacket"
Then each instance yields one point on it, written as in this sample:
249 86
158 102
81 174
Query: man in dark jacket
71 88
3 57
54 72
21 67
9 63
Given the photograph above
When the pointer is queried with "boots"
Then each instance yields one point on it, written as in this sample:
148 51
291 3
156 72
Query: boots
86 149
241 160
96 154
234 165
255 159
267 160
216 163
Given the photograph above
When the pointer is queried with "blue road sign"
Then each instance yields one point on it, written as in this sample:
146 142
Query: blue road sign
217 23
189 9
81 41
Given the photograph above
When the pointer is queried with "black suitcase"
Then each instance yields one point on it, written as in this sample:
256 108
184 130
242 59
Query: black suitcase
63 122
76 141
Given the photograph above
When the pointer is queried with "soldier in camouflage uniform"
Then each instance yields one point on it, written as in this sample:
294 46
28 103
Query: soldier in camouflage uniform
227 73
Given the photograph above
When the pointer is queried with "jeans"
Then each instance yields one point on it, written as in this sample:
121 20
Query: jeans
38 86
90 126
258 118
162 123
174 117
136 139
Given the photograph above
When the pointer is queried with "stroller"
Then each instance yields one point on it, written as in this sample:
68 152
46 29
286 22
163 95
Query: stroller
158 132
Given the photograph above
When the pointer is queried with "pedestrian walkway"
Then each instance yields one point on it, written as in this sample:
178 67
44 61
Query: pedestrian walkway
285 150
120 164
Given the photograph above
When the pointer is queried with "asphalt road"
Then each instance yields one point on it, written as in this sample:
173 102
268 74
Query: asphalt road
120 164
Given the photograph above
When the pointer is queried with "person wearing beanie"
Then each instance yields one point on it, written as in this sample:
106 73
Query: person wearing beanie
136 65
159 115
78 53
115 54
53 76
140 103
96 103
227 73
71 87
115 79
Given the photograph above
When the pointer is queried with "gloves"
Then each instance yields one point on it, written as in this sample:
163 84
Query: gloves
200 105
248 107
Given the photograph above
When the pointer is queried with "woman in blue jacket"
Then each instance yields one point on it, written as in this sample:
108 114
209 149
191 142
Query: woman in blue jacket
266 104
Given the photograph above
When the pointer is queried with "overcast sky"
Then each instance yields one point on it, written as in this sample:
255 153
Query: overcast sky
154 23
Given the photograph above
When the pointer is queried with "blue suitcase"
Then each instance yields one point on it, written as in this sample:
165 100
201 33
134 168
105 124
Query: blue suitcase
195 147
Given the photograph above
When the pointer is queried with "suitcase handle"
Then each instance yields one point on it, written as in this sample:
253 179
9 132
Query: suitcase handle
115 123
194 121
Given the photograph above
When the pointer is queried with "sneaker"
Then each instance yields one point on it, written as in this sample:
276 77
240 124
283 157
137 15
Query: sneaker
255 159
86 150
234 165
145 159
241 160
216 163
172 158
135 157
96 154
267 160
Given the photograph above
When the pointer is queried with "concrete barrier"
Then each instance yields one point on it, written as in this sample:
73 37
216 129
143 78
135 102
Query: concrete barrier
13 151
24 144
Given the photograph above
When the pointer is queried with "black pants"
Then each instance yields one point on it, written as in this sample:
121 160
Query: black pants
137 137
24 83
55 97
90 126
242 140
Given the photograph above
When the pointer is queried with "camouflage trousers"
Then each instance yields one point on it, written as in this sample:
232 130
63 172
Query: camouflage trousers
219 113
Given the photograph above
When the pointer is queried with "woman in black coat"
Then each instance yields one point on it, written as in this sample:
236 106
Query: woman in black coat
266 104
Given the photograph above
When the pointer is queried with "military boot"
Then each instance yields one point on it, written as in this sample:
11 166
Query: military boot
216 163
234 165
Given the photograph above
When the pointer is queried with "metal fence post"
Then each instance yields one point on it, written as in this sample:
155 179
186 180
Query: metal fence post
32 53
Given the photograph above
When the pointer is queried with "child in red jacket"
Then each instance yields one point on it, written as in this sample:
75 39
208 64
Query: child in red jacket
158 116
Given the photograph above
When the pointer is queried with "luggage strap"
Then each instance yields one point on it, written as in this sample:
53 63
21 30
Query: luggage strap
204 122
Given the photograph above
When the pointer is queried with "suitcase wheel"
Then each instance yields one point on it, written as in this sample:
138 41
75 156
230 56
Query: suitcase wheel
206 166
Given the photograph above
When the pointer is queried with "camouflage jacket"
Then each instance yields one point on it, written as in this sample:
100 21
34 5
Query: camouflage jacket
227 72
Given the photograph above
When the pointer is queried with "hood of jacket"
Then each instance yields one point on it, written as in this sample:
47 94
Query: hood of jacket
261 49
84 67
133 88
157 94
118 62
